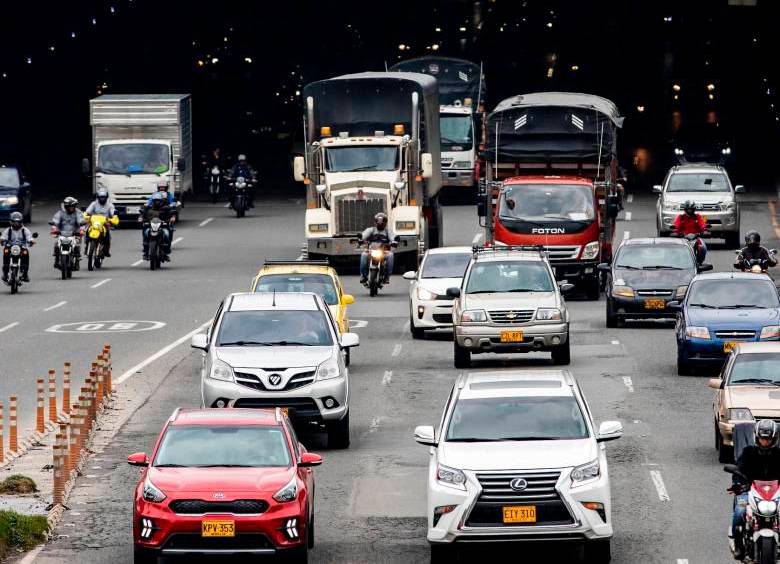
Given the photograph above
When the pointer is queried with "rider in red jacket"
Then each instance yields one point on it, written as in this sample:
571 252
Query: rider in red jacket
691 223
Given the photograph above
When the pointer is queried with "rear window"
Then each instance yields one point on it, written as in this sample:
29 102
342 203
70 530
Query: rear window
320 284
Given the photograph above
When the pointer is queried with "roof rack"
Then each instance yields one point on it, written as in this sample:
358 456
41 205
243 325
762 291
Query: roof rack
482 250
275 262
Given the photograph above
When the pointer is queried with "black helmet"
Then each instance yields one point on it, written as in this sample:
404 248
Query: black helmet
689 206
766 429
752 238
70 202
16 220
102 195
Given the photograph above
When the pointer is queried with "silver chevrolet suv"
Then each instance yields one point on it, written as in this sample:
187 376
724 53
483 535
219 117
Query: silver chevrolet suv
509 302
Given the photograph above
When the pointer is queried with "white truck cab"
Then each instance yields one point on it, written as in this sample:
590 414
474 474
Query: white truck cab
458 150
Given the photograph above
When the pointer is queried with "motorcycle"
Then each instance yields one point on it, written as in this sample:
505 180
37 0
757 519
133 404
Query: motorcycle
756 266
215 183
16 251
157 255
760 532
377 265
96 236
67 251
240 201
695 242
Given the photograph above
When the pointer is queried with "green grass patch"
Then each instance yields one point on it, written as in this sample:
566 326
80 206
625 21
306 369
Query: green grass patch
21 531
18 484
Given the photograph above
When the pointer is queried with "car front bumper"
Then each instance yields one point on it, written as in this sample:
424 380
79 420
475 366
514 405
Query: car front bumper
635 308
487 338
431 314
711 350
719 221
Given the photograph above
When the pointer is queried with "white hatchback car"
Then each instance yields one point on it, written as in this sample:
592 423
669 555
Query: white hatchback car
429 305
517 458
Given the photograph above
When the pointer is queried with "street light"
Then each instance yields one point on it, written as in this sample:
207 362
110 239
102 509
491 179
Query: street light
640 108
710 87
676 87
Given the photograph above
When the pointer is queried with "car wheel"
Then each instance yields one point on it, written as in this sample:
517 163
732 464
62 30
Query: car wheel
443 553
592 287
310 534
684 367
338 432
462 357
561 355
417 333
144 556
299 554
612 319
598 552
347 357
732 240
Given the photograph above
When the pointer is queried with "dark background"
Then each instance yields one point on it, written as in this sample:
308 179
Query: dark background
632 51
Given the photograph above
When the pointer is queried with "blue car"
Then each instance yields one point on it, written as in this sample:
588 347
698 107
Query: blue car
721 309
15 194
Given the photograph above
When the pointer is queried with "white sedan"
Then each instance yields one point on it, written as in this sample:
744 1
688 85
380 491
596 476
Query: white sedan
430 307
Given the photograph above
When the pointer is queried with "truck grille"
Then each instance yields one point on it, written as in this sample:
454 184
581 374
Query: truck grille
735 334
253 381
353 215
447 162
511 316
237 507
557 252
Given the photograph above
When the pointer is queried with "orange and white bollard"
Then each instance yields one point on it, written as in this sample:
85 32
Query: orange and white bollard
13 444
52 396
40 421
74 438
2 442
83 429
59 470
100 392
66 389
109 369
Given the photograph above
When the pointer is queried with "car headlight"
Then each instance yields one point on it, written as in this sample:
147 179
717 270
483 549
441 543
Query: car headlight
548 314
405 225
623 291
328 369
728 206
679 294
152 493
318 227
726 150
473 316
697 332
591 250
586 472
423 294
740 414
770 332
289 492
671 206
678 151
221 371
451 477
11 200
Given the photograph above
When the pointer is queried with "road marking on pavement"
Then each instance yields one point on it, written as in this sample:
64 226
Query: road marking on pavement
55 306
615 342
626 235
629 383
658 482
32 555
357 323
226 205
9 326
682 561
773 215
99 284
176 240
476 238
397 349
136 263
112 326
205 222
387 377
629 198
162 352
628 216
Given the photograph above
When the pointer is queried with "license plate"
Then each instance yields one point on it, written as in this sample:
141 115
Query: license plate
655 304
218 529
520 514
728 346
511 336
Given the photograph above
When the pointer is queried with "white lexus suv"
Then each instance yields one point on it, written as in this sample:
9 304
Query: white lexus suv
516 457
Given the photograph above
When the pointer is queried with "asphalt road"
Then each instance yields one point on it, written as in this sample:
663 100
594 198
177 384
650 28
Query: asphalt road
670 504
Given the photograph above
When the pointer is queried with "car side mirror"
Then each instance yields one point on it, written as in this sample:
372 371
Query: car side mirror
453 292
426 160
138 459
674 305
299 168
657 189
86 168
347 299
739 189
349 340
704 267
481 208
566 287
410 275
424 435
25 185
200 341
604 267
715 383
181 165
609 431
309 459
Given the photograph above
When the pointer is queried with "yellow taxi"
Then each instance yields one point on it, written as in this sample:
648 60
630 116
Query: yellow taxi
306 276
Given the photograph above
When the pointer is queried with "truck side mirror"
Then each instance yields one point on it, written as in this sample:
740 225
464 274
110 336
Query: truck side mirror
481 208
299 168
85 167
612 206
181 165
427 165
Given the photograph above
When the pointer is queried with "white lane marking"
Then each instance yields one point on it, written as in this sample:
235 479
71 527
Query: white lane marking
136 263
682 561
658 482
55 306
628 216
99 284
387 377
372 428
629 198
629 383
626 235
357 323
9 326
226 205
615 342
397 349
176 240
162 352
476 238
205 222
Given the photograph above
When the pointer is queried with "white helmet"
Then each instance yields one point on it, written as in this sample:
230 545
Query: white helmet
242 157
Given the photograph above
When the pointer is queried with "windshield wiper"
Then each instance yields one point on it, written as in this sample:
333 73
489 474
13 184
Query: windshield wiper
245 343
367 167
224 466
171 466
742 306
708 306
483 292
517 290
452 142
661 267
291 344
754 381
531 438
627 266
472 440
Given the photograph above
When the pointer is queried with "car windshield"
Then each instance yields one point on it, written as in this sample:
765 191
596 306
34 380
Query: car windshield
733 293
698 182
320 284
510 276
9 177
351 159
223 445
274 327
445 265
456 133
651 257
517 418
133 158
756 368
547 203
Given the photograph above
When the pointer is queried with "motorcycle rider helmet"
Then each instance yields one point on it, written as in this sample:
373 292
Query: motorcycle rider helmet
766 435
69 204
157 199
753 239
162 186
102 195
381 220
689 207
16 220
242 158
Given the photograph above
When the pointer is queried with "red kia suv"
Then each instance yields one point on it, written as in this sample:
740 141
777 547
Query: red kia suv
224 482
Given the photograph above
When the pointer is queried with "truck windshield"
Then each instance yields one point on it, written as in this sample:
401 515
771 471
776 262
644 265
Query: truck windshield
358 158
456 132
133 158
9 177
547 202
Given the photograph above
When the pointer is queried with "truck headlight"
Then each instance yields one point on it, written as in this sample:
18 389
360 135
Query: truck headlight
623 291
740 414
585 473
697 332
451 477
423 294
548 314
221 371
318 227
328 369
591 250
678 151
405 225
726 150
473 316
770 332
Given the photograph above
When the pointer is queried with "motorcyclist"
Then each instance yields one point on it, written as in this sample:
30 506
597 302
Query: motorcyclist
754 251
101 206
214 159
759 462
162 187
380 233
690 222
17 233
68 219
158 208
243 169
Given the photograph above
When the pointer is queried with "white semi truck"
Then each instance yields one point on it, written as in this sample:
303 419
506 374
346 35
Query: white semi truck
138 141
372 145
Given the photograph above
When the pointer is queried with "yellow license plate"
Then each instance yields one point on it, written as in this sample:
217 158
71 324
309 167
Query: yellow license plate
511 336
728 346
218 529
520 514
655 304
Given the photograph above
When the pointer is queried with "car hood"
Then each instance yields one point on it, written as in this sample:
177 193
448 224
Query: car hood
439 285
652 279
756 398
206 481
273 357
698 197
501 300
517 455
731 318
5 191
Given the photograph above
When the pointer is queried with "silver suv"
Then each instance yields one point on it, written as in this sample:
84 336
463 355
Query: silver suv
279 350
710 188
509 302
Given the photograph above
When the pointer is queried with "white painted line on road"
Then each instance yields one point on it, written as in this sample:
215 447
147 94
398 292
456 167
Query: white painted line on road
176 240
626 235
628 216
397 349
387 377
205 222
682 561
357 323
615 342
629 383
629 198
9 326
375 424
99 284
162 352
136 263
658 482
55 306
476 238
226 205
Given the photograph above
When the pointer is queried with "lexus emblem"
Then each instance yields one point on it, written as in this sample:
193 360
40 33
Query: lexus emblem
275 379
219 495
518 484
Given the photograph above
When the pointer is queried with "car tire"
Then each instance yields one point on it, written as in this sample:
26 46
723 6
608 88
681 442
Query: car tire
612 318
684 367
417 333
662 233
310 534
461 356
443 554
338 433
725 452
561 355
592 287
144 556
598 552
298 555
732 240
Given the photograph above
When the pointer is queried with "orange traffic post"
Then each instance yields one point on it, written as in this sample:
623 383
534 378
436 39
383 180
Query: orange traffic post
88 395
74 438
65 452
59 471
13 443
100 392
52 396
86 424
2 442
109 370
40 421
66 389
83 432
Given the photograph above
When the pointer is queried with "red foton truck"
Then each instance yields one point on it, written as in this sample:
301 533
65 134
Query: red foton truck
551 180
